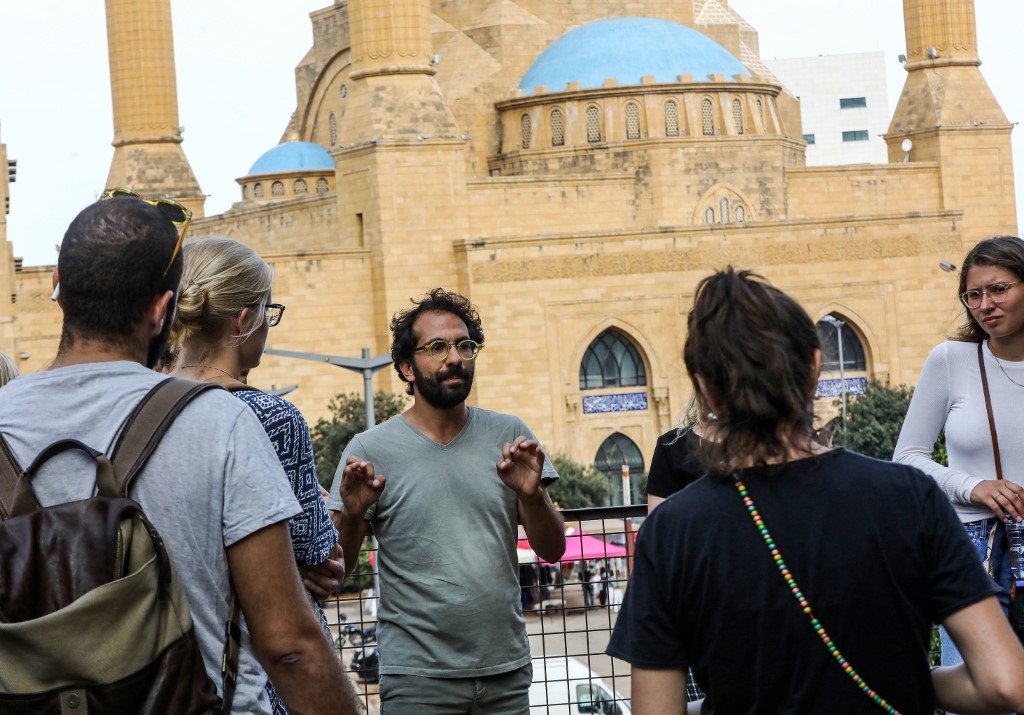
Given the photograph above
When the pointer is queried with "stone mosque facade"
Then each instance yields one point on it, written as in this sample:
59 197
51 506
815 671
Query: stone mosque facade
574 168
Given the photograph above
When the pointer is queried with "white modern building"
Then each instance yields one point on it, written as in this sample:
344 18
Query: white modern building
843 105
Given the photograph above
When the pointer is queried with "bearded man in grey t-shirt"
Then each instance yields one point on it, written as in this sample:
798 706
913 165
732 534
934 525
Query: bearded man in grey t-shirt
452 635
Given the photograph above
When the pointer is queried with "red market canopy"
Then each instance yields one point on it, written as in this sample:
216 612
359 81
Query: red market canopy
580 546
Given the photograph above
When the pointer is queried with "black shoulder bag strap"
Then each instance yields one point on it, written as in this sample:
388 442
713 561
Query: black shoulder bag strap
11 482
988 408
139 436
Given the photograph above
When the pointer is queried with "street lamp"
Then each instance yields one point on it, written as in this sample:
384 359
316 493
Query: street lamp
838 325
365 364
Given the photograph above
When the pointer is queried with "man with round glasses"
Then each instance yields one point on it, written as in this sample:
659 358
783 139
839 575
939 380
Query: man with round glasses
443 485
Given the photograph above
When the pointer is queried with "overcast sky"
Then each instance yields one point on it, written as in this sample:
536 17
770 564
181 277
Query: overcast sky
236 90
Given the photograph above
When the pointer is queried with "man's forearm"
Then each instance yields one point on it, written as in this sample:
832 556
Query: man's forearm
313 681
352 531
544 526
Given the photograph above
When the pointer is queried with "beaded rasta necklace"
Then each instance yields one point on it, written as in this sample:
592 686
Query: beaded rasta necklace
804 605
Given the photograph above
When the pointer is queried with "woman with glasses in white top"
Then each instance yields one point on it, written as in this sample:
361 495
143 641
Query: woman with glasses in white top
224 314
973 387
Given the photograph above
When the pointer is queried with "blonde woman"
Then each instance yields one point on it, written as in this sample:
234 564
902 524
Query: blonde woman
220 330
8 369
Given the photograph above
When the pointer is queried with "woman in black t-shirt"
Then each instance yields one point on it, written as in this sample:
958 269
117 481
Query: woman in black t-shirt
798 578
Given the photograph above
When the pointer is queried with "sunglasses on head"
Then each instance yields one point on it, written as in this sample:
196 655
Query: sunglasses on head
175 213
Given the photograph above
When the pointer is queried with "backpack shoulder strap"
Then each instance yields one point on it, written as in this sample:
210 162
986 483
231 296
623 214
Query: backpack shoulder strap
147 424
10 475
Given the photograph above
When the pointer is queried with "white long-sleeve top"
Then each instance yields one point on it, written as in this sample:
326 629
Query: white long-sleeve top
949 394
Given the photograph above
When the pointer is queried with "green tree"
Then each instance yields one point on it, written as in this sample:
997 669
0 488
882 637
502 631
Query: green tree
874 420
579 486
348 418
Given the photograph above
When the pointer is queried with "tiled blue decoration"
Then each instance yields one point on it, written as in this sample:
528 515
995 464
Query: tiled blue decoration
627 402
834 388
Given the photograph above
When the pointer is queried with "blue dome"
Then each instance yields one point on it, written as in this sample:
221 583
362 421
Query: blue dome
627 48
293 156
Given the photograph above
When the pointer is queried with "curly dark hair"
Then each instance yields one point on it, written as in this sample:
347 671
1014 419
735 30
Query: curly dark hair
438 300
114 259
753 346
1003 251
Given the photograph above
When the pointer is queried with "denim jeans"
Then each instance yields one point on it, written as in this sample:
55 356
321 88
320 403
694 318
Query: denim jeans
978 532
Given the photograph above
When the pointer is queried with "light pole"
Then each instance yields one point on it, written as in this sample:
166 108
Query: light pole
838 325
365 364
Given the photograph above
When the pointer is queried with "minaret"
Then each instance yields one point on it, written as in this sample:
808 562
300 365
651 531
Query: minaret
147 138
950 116
400 158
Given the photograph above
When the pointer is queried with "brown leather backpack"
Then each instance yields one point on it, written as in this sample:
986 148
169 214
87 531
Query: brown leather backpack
93 618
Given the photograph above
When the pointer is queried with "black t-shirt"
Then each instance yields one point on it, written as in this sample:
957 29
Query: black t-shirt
876 549
674 463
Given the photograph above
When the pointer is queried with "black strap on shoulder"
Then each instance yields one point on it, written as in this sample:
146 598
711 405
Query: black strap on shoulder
147 424
10 475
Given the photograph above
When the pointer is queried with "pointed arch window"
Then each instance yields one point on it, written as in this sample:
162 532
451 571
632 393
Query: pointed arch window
741 214
707 118
760 111
525 130
612 360
618 450
723 209
671 118
332 124
737 115
557 127
830 333
593 124
632 120
709 215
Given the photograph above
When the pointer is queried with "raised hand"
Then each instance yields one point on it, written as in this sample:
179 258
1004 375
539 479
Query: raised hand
520 467
360 485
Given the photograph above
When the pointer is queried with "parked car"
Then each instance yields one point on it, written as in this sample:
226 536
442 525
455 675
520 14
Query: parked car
563 685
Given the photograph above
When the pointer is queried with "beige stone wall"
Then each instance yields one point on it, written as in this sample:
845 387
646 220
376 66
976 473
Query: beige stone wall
37 319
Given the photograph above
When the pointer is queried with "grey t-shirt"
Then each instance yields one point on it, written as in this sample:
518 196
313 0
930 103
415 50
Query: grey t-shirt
213 480
446 526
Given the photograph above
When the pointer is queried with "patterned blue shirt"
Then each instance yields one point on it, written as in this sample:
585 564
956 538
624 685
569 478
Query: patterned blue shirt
313 532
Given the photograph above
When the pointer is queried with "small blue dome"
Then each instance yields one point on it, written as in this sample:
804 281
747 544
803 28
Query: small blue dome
293 156
627 48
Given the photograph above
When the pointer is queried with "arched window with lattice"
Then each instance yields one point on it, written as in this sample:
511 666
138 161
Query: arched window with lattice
632 120
611 360
277 189
257 191
332 125
557 127
741 214
707 118
671 118
737 115
618 451
593 124
833 332
723 209
300 186
709 215
760 111
525 130
322 186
